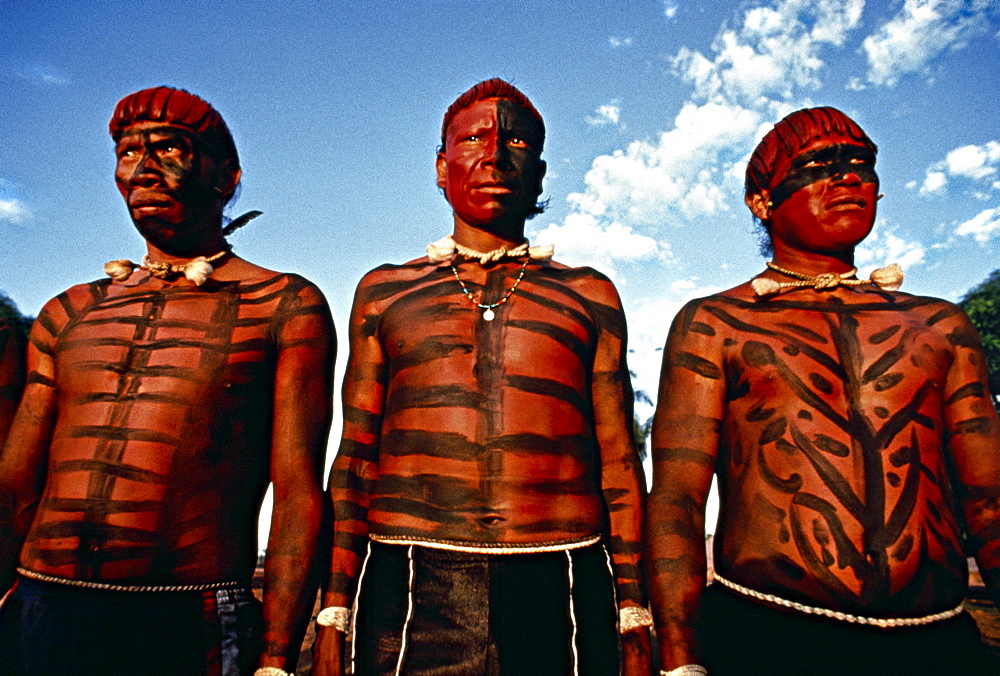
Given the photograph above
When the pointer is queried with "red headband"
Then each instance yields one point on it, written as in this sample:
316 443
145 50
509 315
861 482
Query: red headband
779 146
179 108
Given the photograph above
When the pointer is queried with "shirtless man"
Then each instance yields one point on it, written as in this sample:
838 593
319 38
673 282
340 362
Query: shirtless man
487 491
852 433
11 374
160 404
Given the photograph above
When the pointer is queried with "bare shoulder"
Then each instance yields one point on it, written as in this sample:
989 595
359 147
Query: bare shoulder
391 280
592 284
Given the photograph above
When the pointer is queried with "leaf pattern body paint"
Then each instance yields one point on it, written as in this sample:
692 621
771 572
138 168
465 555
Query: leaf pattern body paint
852 434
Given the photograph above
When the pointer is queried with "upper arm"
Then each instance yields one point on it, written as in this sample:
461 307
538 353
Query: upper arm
11 374
24 457
690 406
303 397
611 384
365 381
971 425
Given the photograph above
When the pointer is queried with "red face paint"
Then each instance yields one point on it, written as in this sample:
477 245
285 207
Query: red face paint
490 168
167 182
829 191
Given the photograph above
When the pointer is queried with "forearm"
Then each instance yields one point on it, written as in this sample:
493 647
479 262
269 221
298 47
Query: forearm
14 522
677 569
290 577
351 484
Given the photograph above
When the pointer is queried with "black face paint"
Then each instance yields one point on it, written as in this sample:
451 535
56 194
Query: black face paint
830 161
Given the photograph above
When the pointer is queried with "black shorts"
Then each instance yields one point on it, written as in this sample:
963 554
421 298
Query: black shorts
464 614
741 636
53 629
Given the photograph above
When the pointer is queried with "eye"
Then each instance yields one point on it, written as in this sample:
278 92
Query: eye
517 142
817 163
859 160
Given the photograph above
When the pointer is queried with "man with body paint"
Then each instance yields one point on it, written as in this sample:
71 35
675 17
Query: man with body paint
852 434
487 491
160 404
11 374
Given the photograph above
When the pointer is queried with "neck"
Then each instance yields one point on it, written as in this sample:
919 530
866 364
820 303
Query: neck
813 263
487 240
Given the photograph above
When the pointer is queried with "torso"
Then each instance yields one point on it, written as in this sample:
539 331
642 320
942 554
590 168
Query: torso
488 433
833 474
159 457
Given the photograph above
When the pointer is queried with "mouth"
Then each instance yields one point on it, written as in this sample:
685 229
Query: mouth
494 188
847 202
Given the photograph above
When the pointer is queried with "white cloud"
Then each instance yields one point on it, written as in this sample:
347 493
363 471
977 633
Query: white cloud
674 179
975 162
604 115
972 162
584 240
13 211
754 74
920 31
669 9
619 42
775 50
982 227
45 75
885 246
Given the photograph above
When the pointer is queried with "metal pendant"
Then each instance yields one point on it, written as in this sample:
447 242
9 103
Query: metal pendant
489 314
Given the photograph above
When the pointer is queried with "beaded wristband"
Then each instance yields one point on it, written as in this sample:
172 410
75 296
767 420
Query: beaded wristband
633 617
337 617
686 670
271 671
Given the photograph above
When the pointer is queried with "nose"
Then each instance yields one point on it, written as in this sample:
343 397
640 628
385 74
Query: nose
143 174
498 154
847 175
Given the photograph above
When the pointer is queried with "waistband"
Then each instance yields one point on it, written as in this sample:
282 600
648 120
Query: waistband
883 622
486 548
104 586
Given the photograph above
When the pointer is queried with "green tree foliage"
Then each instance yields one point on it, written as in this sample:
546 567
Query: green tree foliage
641 428
9 311
982 304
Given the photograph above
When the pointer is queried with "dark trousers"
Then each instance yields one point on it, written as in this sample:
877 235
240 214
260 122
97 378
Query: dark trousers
51 629
740 636
485 614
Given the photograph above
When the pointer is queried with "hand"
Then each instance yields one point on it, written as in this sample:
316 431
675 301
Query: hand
635 649
328 652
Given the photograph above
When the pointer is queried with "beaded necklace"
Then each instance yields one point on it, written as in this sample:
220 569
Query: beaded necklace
487 309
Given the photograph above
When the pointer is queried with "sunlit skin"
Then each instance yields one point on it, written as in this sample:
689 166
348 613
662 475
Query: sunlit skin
158 412
851 429
481 432
491 172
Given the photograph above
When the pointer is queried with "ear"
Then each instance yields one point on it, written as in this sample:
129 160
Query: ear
229 178
441 166
760 204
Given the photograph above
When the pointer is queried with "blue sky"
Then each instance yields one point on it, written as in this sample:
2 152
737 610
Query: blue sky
652 109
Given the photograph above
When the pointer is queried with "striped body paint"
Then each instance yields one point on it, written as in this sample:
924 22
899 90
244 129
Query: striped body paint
163 406
510 432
